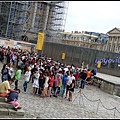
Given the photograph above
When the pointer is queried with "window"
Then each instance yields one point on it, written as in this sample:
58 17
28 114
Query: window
85 38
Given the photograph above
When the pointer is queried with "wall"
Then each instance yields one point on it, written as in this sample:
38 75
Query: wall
107 86
76 55
11 43
7 43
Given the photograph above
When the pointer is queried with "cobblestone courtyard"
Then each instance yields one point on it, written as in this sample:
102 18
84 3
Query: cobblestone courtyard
85 104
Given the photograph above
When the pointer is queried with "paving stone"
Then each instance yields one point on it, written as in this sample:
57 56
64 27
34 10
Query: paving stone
36 107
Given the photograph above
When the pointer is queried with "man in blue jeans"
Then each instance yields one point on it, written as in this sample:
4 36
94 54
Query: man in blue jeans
83 77
63 88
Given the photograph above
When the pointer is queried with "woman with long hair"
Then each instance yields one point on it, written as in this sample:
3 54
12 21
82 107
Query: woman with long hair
5 73
11 70
51 83
71 90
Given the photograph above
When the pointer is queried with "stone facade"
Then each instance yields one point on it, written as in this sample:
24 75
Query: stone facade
84 39
113 44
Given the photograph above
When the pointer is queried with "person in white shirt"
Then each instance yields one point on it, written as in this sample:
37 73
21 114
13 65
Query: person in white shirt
35 81
23 57
11 70
46 84
26 79
69 82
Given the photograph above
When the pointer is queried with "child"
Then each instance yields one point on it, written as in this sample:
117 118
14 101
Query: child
12 99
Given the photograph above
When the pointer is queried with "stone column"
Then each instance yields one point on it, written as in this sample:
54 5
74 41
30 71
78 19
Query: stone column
107 45
112 44
116 44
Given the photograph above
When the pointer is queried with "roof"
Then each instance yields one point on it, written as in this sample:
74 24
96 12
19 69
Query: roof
114 29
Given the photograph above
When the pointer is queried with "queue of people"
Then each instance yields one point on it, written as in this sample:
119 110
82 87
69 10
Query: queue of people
48 77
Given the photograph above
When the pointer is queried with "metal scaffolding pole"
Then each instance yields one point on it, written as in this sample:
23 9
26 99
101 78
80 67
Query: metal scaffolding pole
8 20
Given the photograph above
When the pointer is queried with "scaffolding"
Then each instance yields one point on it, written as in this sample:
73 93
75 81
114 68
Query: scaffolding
57 18
3 17
14 12
23 20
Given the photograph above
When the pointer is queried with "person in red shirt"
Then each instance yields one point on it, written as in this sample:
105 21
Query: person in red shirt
33 60
77 75
51 83
26 65
2 54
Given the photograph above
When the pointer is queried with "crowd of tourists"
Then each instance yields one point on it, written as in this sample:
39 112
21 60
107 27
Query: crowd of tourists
48 77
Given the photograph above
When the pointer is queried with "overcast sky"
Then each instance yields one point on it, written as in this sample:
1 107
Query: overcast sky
94 16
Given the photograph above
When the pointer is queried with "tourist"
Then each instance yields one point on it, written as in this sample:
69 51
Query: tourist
69 82
88 79
83 77
5 73
13 99
41 82
17 76
35 85
58 83
46 84
64 83
77 75
5 88
11 70
94 72
71 90
51 83
27 78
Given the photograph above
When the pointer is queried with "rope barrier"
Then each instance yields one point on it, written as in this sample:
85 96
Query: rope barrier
75 97
105 107
99 101
89 99
117 110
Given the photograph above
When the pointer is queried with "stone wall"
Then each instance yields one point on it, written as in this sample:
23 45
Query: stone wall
11 43
76 55
107 86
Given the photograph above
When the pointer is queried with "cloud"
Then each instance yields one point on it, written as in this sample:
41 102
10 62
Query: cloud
97 16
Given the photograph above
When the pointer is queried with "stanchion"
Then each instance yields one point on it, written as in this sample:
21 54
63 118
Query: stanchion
79 95
114 112
98 106
76 96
